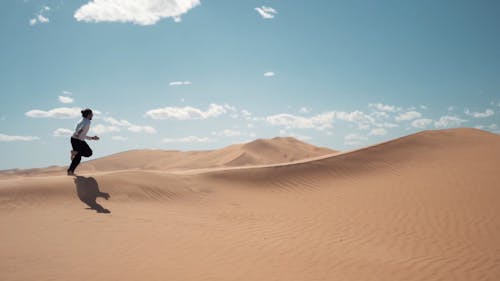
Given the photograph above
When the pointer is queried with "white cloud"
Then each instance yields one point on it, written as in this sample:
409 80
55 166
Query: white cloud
188 139
424 107
228 133
358 117
297 136
8 138
142 129
449 121
65 99
451 108
386 125
354 116
410 115
421 123
102 129
119 138
59 113
229 107
42 19
318 122
246 114
269 74
304 110
353 139
487 127
62 132
142 12
232 133
384 107
266 12
131 127
378 132
187 112
68 93
180 83
380 114
486 113
115 122
41 16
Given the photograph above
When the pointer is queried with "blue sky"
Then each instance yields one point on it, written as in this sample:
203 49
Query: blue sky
191 75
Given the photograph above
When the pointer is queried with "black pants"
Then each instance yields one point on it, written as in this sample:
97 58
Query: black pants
83 150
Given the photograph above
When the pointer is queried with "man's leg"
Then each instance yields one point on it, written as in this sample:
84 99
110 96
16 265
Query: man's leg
85 150
78 147
74 163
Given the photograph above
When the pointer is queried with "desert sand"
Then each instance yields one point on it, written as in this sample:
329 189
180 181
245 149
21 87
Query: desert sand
422 207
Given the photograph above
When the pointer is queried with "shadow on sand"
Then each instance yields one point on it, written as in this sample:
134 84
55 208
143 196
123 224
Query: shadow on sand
88 191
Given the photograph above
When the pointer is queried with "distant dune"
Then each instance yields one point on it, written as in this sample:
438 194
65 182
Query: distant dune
258 152
421 207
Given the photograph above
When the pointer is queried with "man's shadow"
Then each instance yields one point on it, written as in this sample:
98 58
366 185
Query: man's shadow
88 191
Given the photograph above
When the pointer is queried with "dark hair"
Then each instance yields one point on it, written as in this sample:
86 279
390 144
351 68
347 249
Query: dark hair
86 112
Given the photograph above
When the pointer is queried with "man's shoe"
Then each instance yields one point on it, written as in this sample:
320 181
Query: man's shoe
71 173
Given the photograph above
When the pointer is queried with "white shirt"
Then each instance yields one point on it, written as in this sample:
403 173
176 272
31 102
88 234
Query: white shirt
84 125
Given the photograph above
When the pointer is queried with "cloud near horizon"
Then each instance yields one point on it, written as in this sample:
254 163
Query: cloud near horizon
119 138
10 138
421 123
406 116
189 139
142 129
384 107
354 139
188 112
141 12
59 113
449 121
65 99
486 113
289 121
325 120
489 127
62 132
232 133
357 117
378 132
102 129
115 123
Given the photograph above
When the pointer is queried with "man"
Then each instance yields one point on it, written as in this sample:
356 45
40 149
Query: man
80 147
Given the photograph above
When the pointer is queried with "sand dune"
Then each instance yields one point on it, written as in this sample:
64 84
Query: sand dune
421 207
258 152
261 151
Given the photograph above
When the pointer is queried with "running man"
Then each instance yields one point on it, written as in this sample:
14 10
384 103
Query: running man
80 147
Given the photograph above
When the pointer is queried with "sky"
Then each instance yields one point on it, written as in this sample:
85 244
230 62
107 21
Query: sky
200 75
